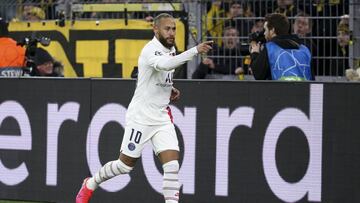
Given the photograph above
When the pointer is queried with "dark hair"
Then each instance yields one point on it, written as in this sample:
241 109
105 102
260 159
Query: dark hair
161 16
236 2
4 32
279 22
230 28
304 15
42 56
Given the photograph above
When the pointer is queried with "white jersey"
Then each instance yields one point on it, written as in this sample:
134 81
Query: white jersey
156 64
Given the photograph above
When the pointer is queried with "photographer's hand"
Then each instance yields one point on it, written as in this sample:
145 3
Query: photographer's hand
255 47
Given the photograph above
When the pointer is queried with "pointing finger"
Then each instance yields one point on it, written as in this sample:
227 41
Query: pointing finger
209 42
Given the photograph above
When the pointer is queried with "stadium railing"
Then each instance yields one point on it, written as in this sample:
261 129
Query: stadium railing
329 58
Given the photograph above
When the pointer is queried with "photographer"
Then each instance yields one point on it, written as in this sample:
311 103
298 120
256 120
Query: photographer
46 65
11 55
283 56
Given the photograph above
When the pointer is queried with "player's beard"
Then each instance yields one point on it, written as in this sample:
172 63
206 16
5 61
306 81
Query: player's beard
164 41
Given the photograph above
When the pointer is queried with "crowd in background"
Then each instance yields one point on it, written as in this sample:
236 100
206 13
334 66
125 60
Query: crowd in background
323 25
34 10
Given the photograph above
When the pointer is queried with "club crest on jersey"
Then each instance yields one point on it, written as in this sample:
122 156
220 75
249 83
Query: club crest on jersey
158 53
131 146
169 78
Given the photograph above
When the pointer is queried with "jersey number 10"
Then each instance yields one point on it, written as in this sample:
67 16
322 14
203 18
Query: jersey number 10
137 136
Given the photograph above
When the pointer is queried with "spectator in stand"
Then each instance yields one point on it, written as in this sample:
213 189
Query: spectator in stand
326 28
33 13
11 55
343 41
302 27
343 38
45 65
286 7
218 18
258 26
344 19
224 60
236 14
328 7
336 54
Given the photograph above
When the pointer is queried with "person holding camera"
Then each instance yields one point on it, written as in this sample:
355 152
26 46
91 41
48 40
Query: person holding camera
46 65
11 55
283 56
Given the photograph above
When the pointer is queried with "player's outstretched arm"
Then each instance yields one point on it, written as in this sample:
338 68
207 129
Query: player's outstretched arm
171 62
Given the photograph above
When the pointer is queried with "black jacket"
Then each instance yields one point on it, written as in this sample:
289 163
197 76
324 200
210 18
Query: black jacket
226 61
260 62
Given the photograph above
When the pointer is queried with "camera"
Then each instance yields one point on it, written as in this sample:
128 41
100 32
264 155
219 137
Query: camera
257 37
30 44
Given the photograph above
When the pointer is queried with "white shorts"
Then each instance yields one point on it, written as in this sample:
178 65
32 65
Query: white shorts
162 137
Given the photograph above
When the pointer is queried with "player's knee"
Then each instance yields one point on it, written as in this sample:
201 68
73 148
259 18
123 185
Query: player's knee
171 166
122 167
129 161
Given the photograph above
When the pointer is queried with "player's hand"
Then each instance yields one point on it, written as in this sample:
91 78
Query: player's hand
175 95
204 47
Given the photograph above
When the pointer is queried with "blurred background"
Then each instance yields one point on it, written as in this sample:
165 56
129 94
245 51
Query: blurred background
329 28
